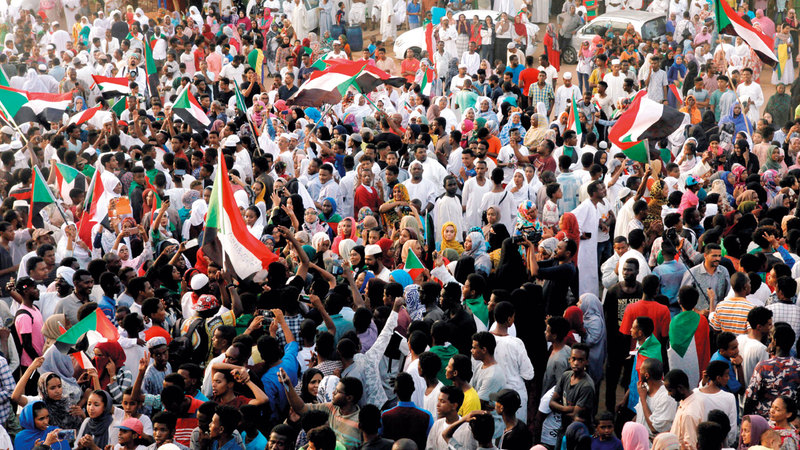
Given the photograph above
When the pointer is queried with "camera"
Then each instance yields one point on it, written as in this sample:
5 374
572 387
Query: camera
268 315
66 435
530 233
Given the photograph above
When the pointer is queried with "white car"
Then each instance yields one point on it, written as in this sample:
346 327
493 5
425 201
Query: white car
415 39
648 25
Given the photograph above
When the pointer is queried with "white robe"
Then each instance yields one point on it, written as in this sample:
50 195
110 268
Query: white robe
299 20
449 36
505 6
448 209
588 222
472 196
388 28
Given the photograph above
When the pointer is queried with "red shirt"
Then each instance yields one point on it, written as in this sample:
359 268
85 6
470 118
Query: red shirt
652 309
364 197
526 78
187 423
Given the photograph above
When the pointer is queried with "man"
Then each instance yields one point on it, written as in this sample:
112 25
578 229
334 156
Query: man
776 376
569 181
751 94
656 81
459 372
565 93
386 63
785 309
689 348
342 409
751 344
588 217
28 322
223 425
83 282
615 81
541 91
515 432
458 81
709 276
691 410
373 258
406 420
369 423
731 314
512 355
554 271
646 347
648 306
448 208
722 98
728 353
472 194
574 395
471 59
618 297
558 361
656 408
489 377
449 402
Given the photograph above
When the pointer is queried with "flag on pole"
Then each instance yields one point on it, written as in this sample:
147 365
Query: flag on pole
111 87
97 322
226 240
729 22
190 111
573 122
67 179
119 106
429 40
151 71
240 103
644 119
4 78
22 106
83 360
40 197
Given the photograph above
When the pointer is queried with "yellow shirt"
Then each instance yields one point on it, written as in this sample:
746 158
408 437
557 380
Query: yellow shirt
471 402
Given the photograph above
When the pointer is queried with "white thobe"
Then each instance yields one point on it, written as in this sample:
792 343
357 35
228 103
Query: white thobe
589 223
388 29
472 195
448 209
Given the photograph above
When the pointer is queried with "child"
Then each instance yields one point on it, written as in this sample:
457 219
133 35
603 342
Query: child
604 438
130 410
550 210
672 180
340 15
164 430
130 431
373 47
159 368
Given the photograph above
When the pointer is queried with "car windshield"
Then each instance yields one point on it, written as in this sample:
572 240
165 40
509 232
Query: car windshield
655 28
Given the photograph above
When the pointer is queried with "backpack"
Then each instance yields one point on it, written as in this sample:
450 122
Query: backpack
13 329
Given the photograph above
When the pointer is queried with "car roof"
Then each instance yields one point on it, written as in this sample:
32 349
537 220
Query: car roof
631 14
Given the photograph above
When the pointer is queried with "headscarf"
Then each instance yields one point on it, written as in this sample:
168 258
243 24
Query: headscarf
402 277
453 243
345 246
574 316
570 227
667 441
414 306
353 234
59 409
576 434
506 131
740 121
737 170
595 325
52 330
407 248
769 179
115 354
99 427
758 425
26 439
635 437
525 216
771 164
59 364
728 186
478 245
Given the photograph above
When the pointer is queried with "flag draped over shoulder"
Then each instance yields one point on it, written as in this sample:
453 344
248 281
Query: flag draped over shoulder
728 22
644 119
226 239
688 344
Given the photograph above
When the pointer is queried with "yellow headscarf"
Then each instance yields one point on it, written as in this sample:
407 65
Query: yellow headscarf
454 244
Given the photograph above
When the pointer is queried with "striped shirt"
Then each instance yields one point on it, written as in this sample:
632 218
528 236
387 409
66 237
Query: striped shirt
345 427
731 315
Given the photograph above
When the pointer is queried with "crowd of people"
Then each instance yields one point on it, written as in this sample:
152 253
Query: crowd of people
462 262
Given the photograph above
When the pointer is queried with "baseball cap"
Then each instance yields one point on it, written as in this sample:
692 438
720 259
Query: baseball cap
132 424
206 302
506 397
39 232
155 342
691 181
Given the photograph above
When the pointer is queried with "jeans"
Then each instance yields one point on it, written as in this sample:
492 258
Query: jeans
487 53
604 250
583 82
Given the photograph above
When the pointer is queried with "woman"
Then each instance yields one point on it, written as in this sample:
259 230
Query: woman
346 229
400 206
692 110
577 333
487 40
780 105
514 123
769 180
328 213
109 358
463 30
518 188
475 247
675 75
309 385
595 325
585 61
784 70
737 117
93 434
753 426
775 161
781 414
635 437
63 410
449 239
667 441
36 429
742 162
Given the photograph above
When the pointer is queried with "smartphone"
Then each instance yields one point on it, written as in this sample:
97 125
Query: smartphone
268 315
304 298
66 435
191 243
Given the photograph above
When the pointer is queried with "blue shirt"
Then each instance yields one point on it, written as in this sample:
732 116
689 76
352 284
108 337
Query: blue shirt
109 307
670 274
733 384
515 71
230 445
342 326
413 8
259 443
273 387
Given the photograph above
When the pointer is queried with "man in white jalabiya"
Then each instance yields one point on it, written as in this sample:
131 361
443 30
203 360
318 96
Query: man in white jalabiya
388 27
299 21
589 224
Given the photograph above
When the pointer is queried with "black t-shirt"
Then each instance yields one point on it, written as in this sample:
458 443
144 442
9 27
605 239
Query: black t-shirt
394 140
284 93
519 436
224 96
560 287
580 394
248 99
615 303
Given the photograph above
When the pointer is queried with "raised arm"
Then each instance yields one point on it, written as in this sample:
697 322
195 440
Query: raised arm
317 304
19 389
